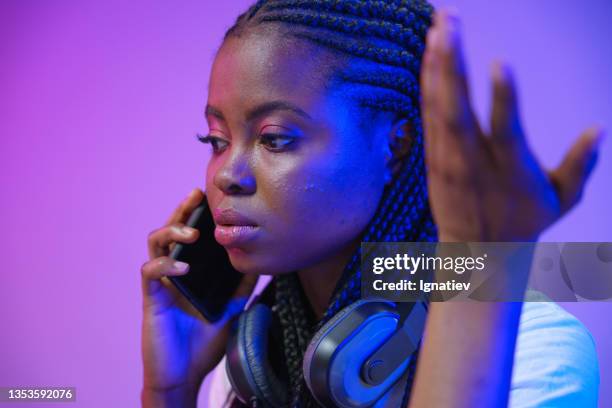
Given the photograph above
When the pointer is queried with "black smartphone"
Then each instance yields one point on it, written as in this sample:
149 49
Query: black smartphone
211 280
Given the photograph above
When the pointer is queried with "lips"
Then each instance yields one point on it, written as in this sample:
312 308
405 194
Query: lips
230 216
233 228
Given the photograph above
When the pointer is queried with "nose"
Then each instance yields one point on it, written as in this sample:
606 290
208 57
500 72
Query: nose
235 175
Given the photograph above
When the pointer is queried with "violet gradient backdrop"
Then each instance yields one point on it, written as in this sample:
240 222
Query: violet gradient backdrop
100 102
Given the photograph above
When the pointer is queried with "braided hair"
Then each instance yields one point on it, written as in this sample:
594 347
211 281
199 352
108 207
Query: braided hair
384 41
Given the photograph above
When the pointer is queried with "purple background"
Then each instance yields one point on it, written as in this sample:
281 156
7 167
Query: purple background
100 103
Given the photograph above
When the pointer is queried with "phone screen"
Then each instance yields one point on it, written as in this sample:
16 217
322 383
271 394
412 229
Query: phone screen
211 280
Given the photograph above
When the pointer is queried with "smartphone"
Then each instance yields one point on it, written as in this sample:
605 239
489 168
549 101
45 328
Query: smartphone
211 280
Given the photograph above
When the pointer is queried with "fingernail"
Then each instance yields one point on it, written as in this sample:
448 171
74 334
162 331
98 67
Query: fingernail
192 193
179 266
187 230
450 32
499 71
452 13
437 17
599 138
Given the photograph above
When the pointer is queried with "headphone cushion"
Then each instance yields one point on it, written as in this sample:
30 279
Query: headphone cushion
253 333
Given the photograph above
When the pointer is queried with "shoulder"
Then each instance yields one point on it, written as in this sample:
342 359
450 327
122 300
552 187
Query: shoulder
555 361
220 387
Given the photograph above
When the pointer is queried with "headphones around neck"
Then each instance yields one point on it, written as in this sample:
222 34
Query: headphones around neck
352 361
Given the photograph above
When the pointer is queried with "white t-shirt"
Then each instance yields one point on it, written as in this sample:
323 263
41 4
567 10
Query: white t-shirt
555 362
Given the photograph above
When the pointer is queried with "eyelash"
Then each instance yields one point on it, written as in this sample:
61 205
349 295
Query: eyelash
214 140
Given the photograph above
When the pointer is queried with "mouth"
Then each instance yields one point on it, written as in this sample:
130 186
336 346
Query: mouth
235 235
230 217
233 228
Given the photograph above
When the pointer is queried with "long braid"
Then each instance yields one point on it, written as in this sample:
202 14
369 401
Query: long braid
292 317
385 40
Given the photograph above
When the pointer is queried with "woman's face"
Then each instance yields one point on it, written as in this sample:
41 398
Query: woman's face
290 157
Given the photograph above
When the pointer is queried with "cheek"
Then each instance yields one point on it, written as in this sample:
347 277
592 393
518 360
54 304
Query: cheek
324 201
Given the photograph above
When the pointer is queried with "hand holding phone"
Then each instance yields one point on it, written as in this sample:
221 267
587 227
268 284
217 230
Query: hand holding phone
179 345
212 280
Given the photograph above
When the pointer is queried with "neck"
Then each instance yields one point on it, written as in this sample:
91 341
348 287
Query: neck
318 281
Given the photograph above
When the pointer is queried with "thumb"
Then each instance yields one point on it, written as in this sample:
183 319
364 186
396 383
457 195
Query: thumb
569 178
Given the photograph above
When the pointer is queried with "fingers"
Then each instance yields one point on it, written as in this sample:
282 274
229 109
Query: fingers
505 116
429 77
452 132
452 94
153 270
159 240
186 207
163 266
569 178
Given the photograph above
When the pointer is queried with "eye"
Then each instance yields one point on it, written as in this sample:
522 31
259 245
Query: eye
214 142
276 142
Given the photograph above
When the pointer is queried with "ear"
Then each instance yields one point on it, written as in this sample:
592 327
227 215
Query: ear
400 141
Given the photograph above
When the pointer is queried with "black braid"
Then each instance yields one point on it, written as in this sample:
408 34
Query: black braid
364 49
393 32
404 85
387 38
388 11
296 330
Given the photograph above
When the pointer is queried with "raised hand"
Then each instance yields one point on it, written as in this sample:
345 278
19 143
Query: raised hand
489 187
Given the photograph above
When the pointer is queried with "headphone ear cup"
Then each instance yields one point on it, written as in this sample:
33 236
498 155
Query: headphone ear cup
316 339
334 356
247 364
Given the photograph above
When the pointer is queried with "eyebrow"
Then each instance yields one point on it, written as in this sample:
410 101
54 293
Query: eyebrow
261 110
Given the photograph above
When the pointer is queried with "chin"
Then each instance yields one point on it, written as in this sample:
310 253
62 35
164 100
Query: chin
245 261
249 263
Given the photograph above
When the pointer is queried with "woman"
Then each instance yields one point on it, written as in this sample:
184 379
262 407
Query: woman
322 116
